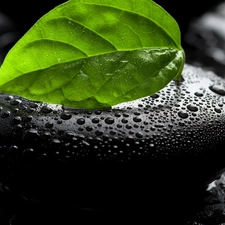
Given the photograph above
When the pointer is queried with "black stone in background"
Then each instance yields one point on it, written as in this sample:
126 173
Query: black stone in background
16 211
212 204
204 41
186 11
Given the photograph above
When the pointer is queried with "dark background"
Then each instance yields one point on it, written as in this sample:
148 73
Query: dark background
25 13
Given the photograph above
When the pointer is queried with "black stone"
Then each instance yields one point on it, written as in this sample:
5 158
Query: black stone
155 166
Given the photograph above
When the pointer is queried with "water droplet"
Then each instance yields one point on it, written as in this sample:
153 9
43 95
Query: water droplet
154 96
9 97
126 114
59 122
15 102
69 134
181 124
18 127
28 153
159 125
89 128
124 61
15 110
65 116
14 151
81 121
218 89
30 110
151 145
183 114
124 121
55 142
217 110
47 135
139 135
98 112
137 119
28 118
109 120
5 114
16 120
33 105
95 120
192 108
43 157
46 109
128 126
98 133
49 125
117 114
31 134
199 94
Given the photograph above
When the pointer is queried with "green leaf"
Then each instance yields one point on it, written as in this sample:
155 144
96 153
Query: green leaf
95 53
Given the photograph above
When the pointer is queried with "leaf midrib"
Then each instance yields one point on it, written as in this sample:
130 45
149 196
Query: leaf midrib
56 65
71 61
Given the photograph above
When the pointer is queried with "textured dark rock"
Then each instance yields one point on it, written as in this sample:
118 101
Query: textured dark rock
150 156
213 202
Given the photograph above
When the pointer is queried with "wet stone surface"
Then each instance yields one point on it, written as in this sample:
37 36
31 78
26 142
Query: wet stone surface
171 136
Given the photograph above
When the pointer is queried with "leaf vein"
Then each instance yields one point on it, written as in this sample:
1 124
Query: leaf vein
133 12
88 28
